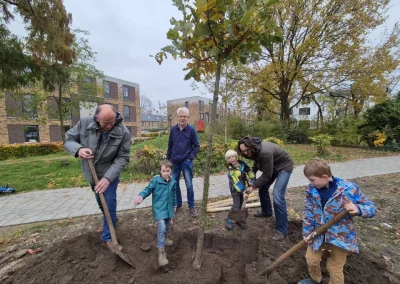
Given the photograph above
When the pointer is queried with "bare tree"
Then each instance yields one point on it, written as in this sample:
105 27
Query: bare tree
146 105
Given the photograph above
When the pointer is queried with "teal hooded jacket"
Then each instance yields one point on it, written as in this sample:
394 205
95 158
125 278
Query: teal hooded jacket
164 197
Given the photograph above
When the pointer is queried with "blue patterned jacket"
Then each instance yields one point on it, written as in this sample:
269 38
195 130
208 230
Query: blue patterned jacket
342 234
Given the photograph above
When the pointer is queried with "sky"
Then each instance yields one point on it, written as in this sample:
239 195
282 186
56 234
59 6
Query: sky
125 32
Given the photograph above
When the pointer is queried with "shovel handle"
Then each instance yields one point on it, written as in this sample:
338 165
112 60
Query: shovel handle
104 204
302 243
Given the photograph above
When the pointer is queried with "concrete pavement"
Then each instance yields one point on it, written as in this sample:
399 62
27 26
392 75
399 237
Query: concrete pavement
73 202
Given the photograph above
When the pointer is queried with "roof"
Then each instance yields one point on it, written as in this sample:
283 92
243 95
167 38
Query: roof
152 117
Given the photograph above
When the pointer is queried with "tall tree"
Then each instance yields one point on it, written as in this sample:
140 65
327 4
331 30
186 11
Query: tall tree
325 44
210 34
146 105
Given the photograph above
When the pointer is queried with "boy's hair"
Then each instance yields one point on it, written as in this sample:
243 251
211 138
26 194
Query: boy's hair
166 164
317 168
230 153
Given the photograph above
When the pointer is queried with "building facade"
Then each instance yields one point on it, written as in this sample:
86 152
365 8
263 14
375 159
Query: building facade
153 121
199 109
21 121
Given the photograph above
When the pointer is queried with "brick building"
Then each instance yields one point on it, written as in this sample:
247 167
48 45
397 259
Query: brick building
200 109
153 121
21 122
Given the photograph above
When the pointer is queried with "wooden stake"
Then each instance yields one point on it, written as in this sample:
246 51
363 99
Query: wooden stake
219 209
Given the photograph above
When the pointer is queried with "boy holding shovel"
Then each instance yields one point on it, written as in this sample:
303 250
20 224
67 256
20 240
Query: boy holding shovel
326 196
240 177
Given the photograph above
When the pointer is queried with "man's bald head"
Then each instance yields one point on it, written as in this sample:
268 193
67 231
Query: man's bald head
106 115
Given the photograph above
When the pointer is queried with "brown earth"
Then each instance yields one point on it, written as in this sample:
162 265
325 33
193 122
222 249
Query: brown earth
71 251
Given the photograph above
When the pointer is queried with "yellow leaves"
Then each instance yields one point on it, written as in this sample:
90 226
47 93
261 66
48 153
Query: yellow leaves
380 139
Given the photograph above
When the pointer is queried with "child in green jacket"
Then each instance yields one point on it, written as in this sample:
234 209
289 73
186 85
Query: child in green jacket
163 204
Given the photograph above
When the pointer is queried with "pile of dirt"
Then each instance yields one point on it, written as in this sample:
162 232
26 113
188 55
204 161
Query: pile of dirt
236 256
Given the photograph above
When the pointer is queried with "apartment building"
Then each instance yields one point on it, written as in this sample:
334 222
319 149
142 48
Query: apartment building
153 121
20 122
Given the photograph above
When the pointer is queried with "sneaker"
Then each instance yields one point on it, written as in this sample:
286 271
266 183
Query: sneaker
308 281
242 225
193 212
228 224
278 236
261 214
168 242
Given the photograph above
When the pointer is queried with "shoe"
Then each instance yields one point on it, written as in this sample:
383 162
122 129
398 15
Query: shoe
278 236
168 242
193 212
228 224
261 214
109 245
162 257
242 225
308 281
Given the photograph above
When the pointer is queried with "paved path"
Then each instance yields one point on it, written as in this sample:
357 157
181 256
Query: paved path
72 202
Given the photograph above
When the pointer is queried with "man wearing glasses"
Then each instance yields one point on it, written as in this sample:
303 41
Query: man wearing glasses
183 146
276 165
106 140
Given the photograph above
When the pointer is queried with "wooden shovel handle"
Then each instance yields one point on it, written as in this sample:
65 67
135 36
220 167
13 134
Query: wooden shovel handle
104 204
302 243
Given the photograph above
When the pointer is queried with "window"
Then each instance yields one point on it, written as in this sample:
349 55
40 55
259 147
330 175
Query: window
125 91
201 105
305 100
107 89
187 104
202 116
127 113
207 117
304 111
29 106
31 133
211 105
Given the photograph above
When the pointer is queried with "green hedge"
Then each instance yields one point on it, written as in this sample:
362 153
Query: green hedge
9 151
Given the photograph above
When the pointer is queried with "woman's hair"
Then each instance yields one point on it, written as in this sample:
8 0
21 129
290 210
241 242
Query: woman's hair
230 153
249 143
317 168
166 164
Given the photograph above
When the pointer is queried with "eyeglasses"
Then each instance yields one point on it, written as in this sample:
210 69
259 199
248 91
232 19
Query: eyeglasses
104 123
182 116
246 151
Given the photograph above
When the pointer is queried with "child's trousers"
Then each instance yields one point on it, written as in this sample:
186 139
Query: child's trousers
334 264
162 231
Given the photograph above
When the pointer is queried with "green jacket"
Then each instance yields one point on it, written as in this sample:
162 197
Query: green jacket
164 197
110 158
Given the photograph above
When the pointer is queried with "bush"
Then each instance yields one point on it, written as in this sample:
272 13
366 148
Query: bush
9 151
266 128
274 140
321 142
146 160
297 136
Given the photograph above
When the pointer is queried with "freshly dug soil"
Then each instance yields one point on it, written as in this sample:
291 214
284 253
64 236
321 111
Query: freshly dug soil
236 256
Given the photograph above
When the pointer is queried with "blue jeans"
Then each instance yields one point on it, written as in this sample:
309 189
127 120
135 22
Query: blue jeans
110 195
282 180
186 168
162 231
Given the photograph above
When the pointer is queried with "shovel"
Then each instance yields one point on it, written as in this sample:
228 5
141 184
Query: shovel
117 247
239 215
302 243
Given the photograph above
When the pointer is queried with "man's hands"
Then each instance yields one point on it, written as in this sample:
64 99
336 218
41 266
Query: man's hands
85 153
138 200
102 185
249 190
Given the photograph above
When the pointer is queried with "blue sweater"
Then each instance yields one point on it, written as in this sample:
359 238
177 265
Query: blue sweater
182 144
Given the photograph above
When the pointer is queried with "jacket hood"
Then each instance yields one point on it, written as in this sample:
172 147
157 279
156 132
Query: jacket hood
258 141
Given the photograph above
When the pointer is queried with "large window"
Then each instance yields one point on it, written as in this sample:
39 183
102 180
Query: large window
304 111
29 106
187 104
31 133
107 89
201 105
202 116
125 91
127 113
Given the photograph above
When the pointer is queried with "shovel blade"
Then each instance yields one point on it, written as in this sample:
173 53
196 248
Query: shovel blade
124 258
238 215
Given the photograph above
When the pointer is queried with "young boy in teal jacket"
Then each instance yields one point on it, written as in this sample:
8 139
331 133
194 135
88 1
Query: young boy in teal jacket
326 196
163 204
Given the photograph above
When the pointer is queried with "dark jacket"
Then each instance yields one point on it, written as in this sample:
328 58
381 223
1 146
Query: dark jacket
182 144
240 178
110 157
270 159
163 199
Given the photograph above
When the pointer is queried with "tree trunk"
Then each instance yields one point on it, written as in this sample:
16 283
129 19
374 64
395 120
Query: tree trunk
226 127
60 112
203 215
285 115
320 117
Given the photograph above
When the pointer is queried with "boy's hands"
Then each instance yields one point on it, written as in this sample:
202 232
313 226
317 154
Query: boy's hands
351 207
174 209
249 190
138 200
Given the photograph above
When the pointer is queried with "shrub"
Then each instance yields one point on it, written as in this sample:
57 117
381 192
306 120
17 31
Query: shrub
266 128
146 160
9 151
274 140
297 136
321 142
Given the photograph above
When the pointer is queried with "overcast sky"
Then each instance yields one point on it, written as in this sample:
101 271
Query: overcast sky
125 32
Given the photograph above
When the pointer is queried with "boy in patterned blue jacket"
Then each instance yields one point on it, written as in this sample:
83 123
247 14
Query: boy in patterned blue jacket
326 196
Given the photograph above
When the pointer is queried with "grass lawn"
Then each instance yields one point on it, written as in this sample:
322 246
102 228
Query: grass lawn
48 172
